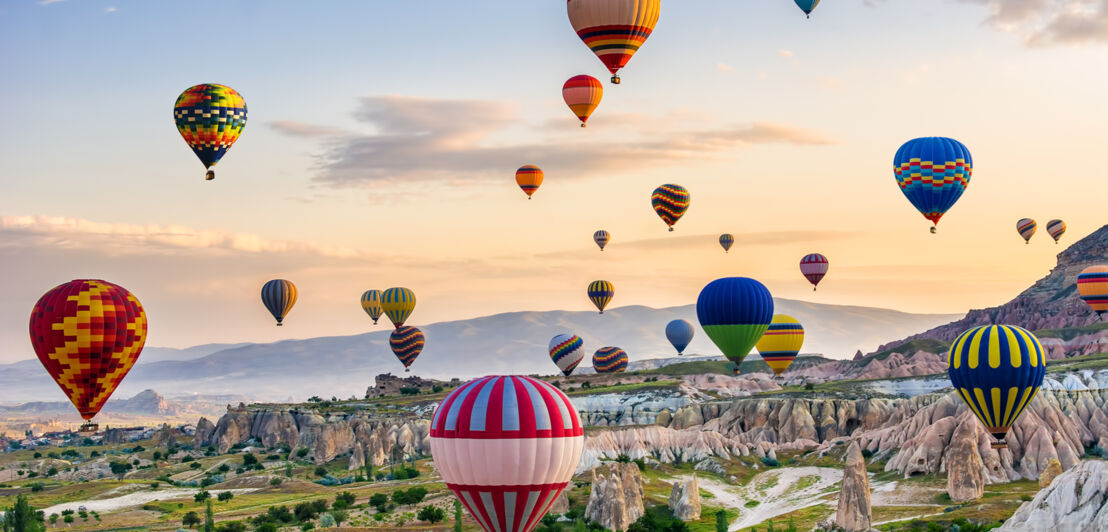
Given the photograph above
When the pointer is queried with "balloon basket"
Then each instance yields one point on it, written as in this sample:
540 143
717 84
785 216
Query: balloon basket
671 229
1000 444
583 124
210 175
615 79
735 371
88 428
934 230
407 370
280 325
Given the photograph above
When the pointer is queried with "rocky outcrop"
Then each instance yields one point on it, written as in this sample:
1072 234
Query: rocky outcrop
684 500
389 384
1076 501
733 386
965 472
660 443
1053 469
165 437
560 504
854 511
616 497
204 430
611 410
232 428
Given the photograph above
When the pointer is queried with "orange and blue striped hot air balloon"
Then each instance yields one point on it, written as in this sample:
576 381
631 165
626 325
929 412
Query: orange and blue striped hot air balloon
1092 284
670 202
781 343
529 178
933 172
996 369
726 240
600 293
210 118
582 94
609 360
601 238
1056 228
614 29
88 334
406 343
279 296
1026 228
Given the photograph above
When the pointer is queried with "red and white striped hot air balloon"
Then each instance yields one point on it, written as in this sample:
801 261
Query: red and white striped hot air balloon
814 267
506 446
582 94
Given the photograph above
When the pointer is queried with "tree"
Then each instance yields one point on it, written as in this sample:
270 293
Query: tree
265 527
305 511
343 500
721 521
119 468
457 516
231 526
339 516
190 520
248 460
288 470
54 519
431 514
21 517
225 496
223 468
209 518
302 452
202 496
320 471
327 521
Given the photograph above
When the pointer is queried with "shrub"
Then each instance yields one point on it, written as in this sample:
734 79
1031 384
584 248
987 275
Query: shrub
37 487
248 460
231 526
866 453
302 452
305 511
275 481
770 462
378 499
658 518
339 516
225 496
809 386
320 471
37 454
190 520
345 498
202 496
138 449
157 455
94 454
431 514
326 521
1026 498
223 468
409 390
436 388
187 459
119 468
194 465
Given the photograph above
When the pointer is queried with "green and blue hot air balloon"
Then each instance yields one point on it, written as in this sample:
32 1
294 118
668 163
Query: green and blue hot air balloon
735 312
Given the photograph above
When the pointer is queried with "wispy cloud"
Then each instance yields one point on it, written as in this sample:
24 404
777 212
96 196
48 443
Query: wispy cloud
48 2
724 67
446 140
1045 22
110 9
785 53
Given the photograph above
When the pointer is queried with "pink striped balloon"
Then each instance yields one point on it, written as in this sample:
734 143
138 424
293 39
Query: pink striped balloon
814 267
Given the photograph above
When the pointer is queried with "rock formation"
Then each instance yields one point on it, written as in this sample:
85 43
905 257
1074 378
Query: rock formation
165 437
204 430
389 384
560 505
965 472
616 497
1053 469
1077 501
854 511
684 500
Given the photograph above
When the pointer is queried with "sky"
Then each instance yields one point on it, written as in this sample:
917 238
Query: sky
383 137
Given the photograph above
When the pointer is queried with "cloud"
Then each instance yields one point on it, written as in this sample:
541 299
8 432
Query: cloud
785 53
448 140
1044 22
300 129
110 10
48 2
724 67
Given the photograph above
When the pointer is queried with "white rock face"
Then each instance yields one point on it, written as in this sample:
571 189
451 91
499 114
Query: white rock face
1077 501
616 497
684 500
855 512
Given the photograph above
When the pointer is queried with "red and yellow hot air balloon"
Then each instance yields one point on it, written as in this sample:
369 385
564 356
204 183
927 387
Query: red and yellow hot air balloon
614 29
582 94
1092 284
529 178
88 334
210 117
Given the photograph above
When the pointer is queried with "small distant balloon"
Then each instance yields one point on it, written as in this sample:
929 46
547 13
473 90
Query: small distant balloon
679 333
670 203
1056 228
371 304
210 118
609 360
406 343
529 178
1026 228
933 172
1092 284
567 351
807 6
601 238
726 240
814 266
398 304
582 94
600 293
279 296
614 29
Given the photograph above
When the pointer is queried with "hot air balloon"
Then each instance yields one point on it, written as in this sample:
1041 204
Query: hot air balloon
614 29
1092 284
398 303
567 350
679 333
1056 228
406 343
88 334
1026 227
601 238
601 292
506 446
371 304
807 6
726 240
279 296
997 369
735 312
933 172
210 118
814 266
609 360
670 202
781 342
529 178
582 94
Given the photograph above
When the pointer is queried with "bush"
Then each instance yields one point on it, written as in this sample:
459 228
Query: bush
378 499
94 454
119 468
190 520
339 516
770 462
138 449
202 496
248 460
306 511
37 454
431 514
411 496
809 387
225 496
866 453
231 526
409 391
187 459
436 388
37 487
194 465
658 518
343 500
320 471
302 452
326 521
224 468
1026 498
275 481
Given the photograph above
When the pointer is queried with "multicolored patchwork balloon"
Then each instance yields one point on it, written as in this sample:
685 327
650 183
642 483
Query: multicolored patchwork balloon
614 29
726 240
88 334
670 202
679 333
567 351
997 369
506 446
600 293
735 312
814 266
1092 284
529 178
601 238
279 296
1026 228
371 304
582 94
609 360
781 343
933 172
406 343
210 118
398 304
1056 228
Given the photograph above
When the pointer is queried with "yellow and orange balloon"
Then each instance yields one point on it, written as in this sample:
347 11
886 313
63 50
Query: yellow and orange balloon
529 179
582 94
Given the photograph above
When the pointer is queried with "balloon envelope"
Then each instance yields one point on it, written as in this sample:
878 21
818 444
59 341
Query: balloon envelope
679 333
1056 228
398 304
670 203
814 266
609 360
371 304
735 312
567 351
582 94
600 293
781 342
406 343
210 118
278 296
807 6
601 238
996 369
1092 284
726 240
933 172
506 446
529 178
614 29
1026 228
88 334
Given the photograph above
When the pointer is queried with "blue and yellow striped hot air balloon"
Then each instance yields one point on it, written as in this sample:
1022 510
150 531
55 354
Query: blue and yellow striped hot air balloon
735 312
670 203
406 343
1026 228
609 360
933 172
600 293
726 240
279 296
997 369
398 303
601 238
781 343
371 304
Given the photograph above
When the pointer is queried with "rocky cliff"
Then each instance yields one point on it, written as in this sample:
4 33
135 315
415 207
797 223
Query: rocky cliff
1076 501
616 497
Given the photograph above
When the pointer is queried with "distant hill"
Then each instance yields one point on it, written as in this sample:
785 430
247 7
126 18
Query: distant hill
515 342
